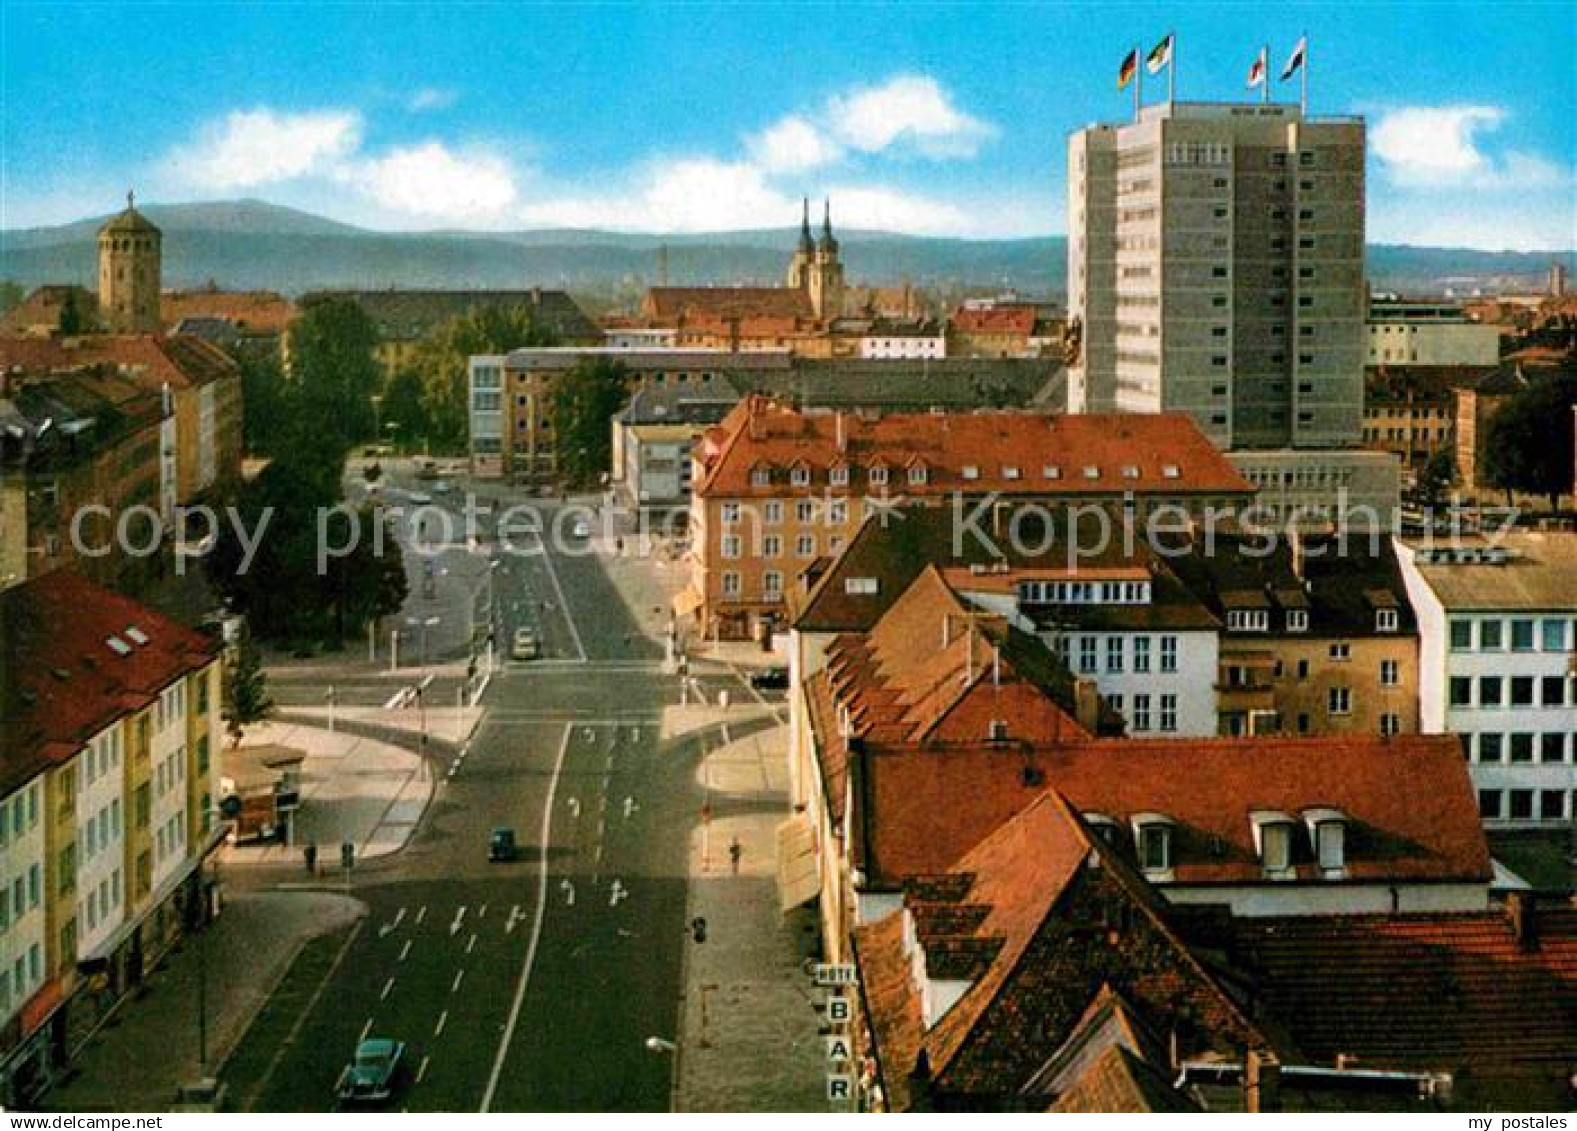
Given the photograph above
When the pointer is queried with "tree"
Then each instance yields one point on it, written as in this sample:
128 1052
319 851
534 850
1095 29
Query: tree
405 405
11 294
1528 443
246 698
70 314
1436 479
443 359
584 401
267 397
334 374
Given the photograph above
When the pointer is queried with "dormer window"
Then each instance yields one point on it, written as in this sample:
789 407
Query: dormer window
1385 620
1328 831
1105 828
1273 839
1297 620
1170 471
799 475
1152 837
1247 620
1051 471
1092 472
879 475
839 476
1010 472
761 477
917 475
1130 472
998 730
971 471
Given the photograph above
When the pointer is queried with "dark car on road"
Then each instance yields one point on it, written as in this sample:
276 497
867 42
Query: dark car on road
770 679
374 1073
501 846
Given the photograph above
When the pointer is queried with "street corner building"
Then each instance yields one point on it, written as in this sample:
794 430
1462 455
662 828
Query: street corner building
109 726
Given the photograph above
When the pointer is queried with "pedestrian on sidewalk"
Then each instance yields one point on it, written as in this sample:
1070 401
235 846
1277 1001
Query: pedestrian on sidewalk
735 851
310 855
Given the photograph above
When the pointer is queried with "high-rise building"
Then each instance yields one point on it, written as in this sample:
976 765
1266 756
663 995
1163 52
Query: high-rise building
1215 267
129 266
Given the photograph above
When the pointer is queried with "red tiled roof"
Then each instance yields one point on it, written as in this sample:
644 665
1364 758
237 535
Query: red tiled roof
1007 452
994 320
181 360
1023 901
254 312
1424 991
1411 810
64 683
670 304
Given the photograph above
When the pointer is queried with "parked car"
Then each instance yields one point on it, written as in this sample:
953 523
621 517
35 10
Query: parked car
582 528
374 1073
501 846
524 646
770 679
420 498
442 487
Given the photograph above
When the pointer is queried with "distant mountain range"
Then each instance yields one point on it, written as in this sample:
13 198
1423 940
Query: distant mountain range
252 244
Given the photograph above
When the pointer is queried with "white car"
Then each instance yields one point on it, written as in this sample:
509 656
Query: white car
420 498
582 528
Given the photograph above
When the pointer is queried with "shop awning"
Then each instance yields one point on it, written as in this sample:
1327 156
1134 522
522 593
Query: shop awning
799 874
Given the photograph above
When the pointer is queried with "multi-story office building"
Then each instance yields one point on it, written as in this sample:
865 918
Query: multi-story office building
1407 332
1215 267
1498 637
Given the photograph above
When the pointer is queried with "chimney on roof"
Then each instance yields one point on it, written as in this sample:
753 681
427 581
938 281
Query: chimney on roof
842 435
1087 704
1522 909
1299 564
1261 1081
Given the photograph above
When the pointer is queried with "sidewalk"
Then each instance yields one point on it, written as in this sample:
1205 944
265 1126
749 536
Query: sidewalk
748 1032
149 1047
353 789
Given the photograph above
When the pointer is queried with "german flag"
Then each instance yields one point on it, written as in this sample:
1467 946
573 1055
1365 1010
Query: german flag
1128 70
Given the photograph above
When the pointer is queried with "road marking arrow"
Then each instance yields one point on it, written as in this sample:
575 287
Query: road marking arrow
459 918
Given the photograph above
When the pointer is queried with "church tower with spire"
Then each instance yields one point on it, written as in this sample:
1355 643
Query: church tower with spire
129 267
804 254
826 271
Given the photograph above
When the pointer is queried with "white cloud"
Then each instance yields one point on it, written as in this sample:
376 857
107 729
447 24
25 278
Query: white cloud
430 98
910 110
1442 147
430 179
793 145
258 147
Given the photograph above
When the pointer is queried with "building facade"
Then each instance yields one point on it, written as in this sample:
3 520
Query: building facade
110 723
1413 332
776 488
130 263
1498 633
1215 267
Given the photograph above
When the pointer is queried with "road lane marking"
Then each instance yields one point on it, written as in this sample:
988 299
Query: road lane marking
545 840
390 928
616 893
459 975
459 918
569 891
471 945
514 917
405 950
443 1019
420 915
387 986
422 1071
481 912
365 1029
569 621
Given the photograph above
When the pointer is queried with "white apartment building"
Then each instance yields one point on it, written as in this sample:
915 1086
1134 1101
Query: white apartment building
1498 637
1404 332
167 813
895 342
101 838
23 874
1215 267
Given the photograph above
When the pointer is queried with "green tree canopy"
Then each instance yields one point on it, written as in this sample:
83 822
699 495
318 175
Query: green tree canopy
1528 443
246 698
334 374
585 399
1437 478
405 406
442 360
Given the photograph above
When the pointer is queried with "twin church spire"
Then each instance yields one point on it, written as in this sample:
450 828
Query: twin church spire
815 268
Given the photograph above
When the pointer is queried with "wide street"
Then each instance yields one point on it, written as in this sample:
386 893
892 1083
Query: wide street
533 985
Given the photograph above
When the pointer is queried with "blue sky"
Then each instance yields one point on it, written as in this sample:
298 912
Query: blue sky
930 118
